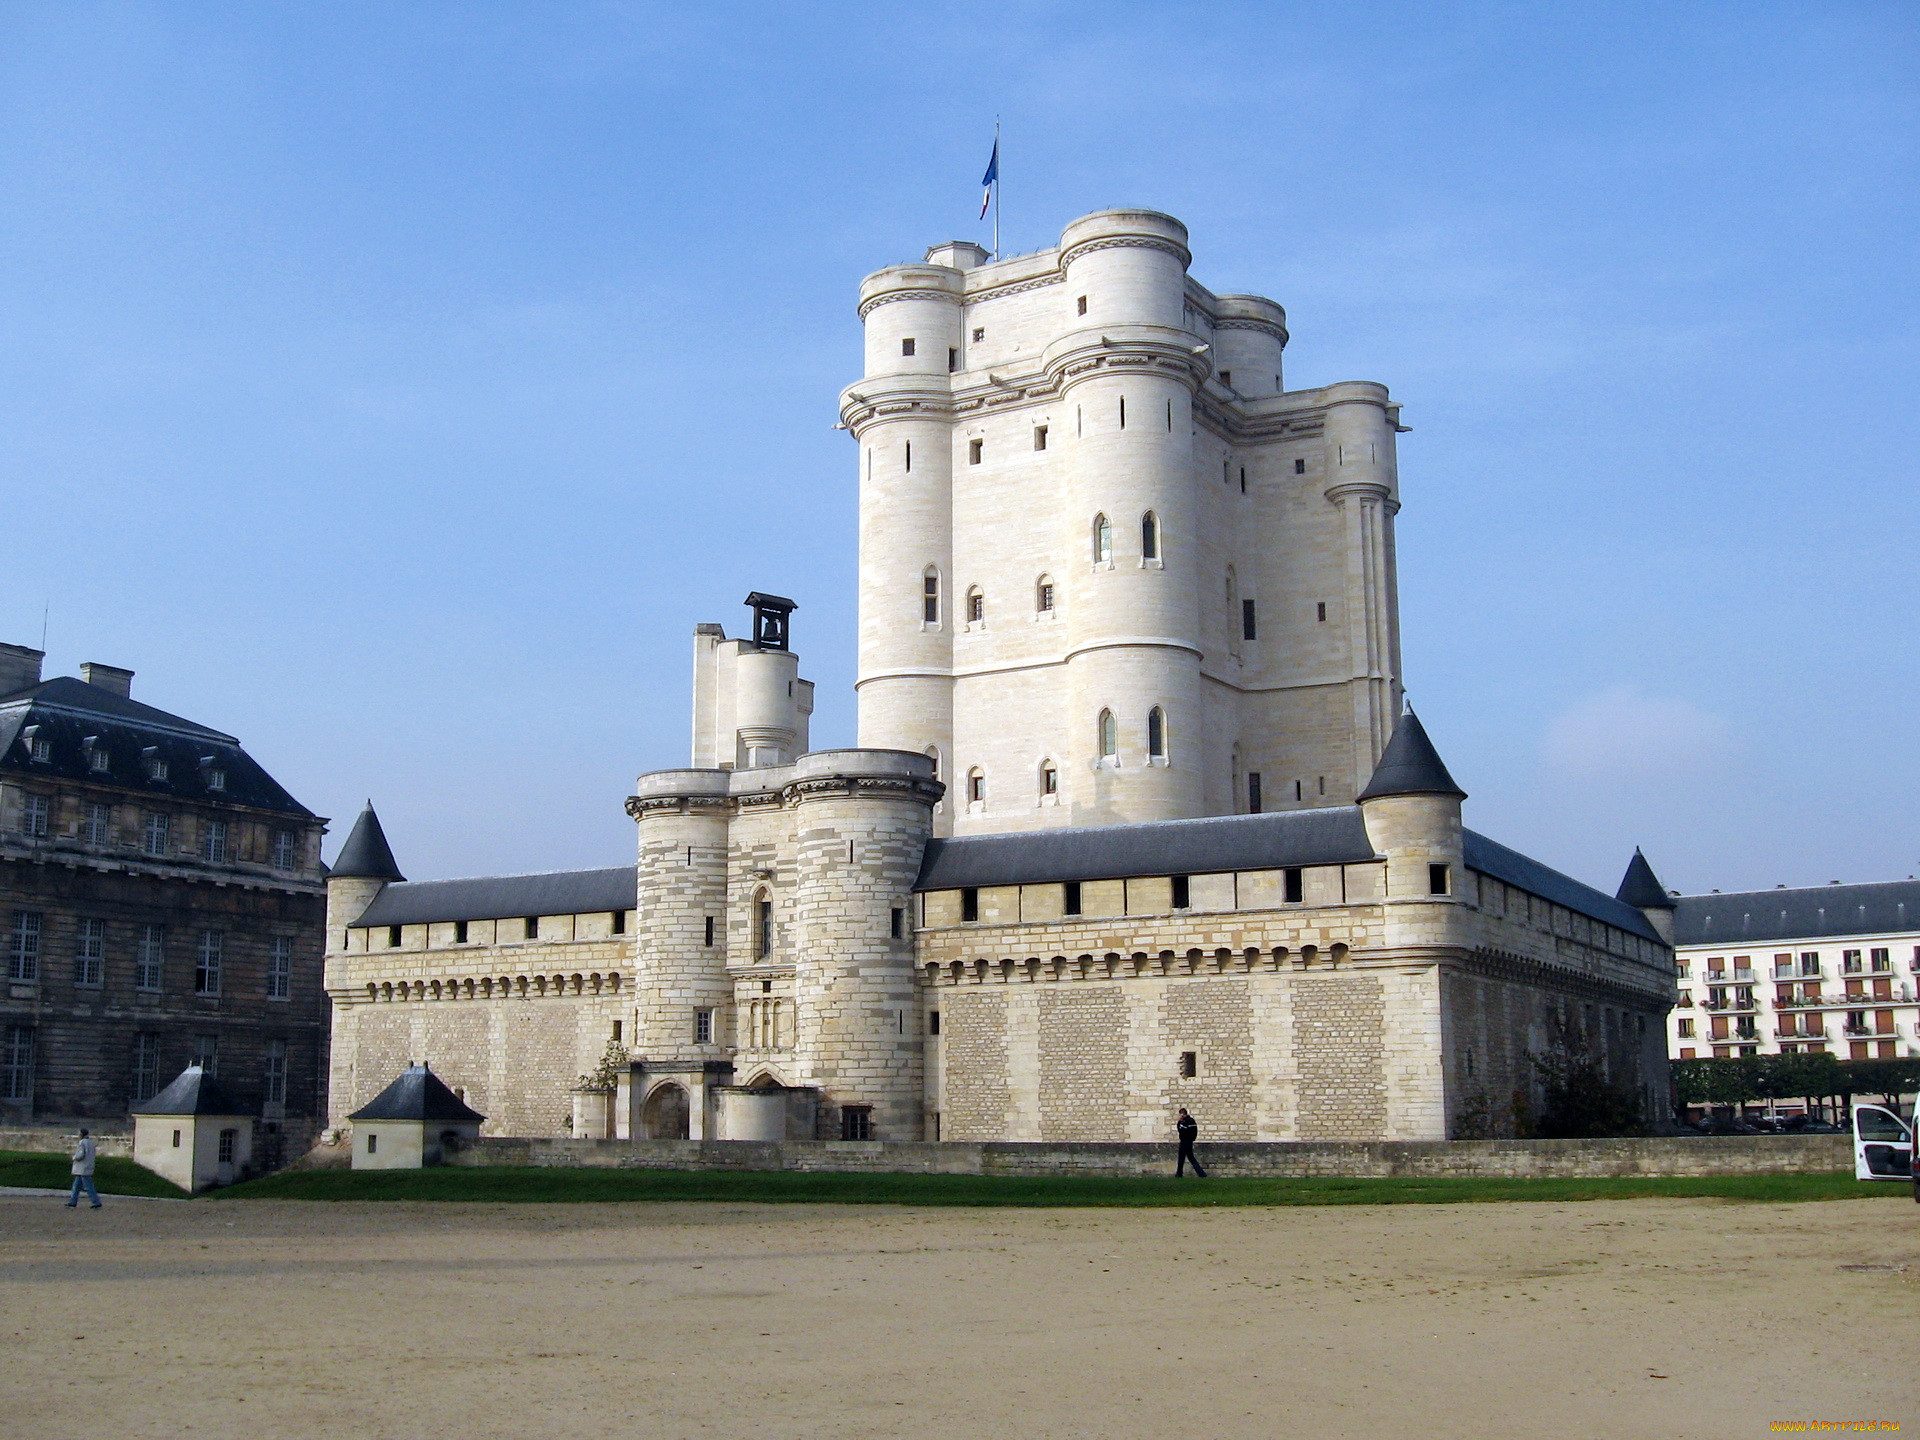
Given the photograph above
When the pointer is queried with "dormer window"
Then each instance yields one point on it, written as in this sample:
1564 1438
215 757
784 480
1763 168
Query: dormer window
99 758
155 765
215 777
39 747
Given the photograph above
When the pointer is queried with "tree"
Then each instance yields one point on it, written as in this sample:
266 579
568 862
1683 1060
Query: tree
1579 1100
1889 1079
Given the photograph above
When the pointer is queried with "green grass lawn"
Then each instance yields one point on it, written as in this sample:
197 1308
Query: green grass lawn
777 1186
110 1177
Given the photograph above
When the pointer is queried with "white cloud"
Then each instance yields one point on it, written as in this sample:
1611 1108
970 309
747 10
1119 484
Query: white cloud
1625 736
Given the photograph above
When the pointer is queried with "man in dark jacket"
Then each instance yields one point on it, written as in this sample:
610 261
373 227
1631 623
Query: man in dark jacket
1188 1128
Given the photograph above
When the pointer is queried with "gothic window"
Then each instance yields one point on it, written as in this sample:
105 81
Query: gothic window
1043 595
1102 540
976 786
1109 737
1157 733
763 926
930 597
976 606
1149 537
1049 778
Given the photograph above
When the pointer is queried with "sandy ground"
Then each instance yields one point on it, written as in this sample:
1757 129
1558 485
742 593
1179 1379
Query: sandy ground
270 1319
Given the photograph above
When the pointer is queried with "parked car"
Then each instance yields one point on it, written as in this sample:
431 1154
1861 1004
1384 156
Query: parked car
1882 1144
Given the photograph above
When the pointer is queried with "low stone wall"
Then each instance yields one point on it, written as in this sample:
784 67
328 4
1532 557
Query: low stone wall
1494 1159
58 1139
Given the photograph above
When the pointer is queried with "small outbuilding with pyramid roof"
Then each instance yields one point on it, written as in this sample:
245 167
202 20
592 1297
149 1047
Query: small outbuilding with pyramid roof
415 1121
194 1133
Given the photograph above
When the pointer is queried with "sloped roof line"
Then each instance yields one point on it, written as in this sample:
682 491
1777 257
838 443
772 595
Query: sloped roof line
77 697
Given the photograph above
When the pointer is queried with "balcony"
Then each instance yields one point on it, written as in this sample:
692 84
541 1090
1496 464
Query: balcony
1862 1032
1789 1034
1803 1002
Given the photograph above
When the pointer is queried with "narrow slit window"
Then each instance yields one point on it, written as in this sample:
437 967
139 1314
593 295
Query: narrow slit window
763 928
930 599
1043 596
1294 881
1070 897
1149 537
976 786
1157 733
709 939
1123 412
1321 611
1169 417
1299 790
1102 540
1243 479
619 922
1039 437
897 922
975 449
1049 779
1253 792
976 606
909 457
1249 629
1109 736
1182 892
969 904
1082 303
460 932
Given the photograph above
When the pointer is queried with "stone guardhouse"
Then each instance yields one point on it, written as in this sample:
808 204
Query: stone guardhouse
1137 819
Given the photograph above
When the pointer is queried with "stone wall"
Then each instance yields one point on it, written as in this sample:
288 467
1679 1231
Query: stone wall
58 1139
1492 1159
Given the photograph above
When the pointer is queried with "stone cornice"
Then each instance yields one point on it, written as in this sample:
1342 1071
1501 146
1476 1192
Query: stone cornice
867 307
1505 965
1264 327
1127 242
640 807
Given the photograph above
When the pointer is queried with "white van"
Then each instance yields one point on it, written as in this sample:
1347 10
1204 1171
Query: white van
1882 1144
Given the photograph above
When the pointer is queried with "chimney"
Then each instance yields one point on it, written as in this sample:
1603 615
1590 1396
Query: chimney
19 667
108 677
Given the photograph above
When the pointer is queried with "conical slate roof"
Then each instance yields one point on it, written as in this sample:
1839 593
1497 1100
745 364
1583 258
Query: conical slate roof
1641 888
1410 765
366 855
418 1094
193 1092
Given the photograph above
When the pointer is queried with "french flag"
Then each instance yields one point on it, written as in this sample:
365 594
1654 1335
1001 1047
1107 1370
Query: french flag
990 179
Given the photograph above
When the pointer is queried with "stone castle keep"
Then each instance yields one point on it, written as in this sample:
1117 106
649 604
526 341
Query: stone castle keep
1135 823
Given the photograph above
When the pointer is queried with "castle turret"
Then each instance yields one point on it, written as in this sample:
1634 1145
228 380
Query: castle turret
1642 889
1362 478
364 867
1412 811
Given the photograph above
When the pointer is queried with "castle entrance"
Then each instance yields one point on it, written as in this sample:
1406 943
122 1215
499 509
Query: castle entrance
665 1115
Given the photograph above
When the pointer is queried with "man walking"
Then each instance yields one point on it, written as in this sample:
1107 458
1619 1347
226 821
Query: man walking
83 1172
1188 1129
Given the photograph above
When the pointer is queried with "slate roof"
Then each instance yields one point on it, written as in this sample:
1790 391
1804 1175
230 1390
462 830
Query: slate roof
1410 765
499 897
193 1092
1641 888
1330 836
1490 857
65 712
366 854
418 1094
1752 917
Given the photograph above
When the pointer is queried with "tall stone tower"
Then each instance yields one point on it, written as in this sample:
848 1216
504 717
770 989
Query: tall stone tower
1111 569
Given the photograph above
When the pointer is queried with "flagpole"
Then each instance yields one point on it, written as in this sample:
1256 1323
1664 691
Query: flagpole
996 188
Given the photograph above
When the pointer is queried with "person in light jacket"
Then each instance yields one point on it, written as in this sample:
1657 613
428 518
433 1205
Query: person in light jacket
83 1172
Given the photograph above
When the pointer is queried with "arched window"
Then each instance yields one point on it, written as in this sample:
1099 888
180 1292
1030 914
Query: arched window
1109 736
976 606
762 925
976 786
1149 537
1043 595
930 597
1049 778
1102 540
1157 733
933 754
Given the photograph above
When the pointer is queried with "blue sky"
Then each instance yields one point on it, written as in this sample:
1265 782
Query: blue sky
395 385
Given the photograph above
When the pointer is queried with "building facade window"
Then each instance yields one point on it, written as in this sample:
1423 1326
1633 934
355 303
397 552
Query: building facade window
216 780
99 759
286 850
930 598
1156 733
23 946
154 764
1070 897
275 1073
1149 537
207 961
280 968
970 904
1102 540
1882 960
146 1065
229 1143
158 829
856 1122
1043 596
906 346
1109 738
531 925
703 1027
1249 629
98 826
763 928
976 787
1039 437
976 607
1049 778
36 815
213 842
40 749
90 952
16 1063
150 959
206 1053
976 451
1253 792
